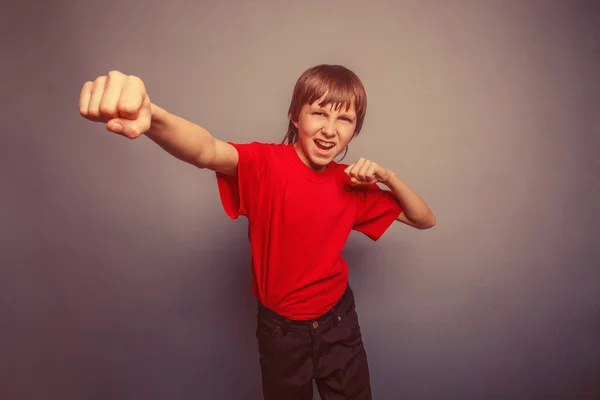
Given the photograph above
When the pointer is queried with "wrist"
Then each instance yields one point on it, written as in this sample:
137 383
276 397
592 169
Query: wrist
155 111
157 116
390 177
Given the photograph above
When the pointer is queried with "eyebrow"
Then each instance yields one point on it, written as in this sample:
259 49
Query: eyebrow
342 114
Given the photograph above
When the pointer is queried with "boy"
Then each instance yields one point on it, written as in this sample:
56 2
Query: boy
301 207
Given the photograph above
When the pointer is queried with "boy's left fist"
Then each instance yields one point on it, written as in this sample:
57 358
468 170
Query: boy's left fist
366 172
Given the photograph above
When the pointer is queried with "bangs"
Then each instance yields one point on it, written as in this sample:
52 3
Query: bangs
337 85
337 94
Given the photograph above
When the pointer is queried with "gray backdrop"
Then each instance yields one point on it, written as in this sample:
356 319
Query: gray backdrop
122 278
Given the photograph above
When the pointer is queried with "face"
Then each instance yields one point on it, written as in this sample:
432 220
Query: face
323 133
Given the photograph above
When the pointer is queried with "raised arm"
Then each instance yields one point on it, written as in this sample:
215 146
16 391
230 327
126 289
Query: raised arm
122 103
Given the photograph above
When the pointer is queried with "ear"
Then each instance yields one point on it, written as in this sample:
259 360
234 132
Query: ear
293 122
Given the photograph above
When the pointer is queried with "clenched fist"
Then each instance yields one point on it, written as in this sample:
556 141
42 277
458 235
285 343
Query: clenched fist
366 172
118 100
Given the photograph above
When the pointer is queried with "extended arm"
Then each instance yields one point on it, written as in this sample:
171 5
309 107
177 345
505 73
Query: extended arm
122 103
191 143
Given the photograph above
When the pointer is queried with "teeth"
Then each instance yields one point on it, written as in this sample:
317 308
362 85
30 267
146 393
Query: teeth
322 143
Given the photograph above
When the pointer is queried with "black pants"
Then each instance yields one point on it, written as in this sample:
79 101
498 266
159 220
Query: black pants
329 349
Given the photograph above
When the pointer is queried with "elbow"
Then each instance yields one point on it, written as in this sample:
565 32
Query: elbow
205 158
427 223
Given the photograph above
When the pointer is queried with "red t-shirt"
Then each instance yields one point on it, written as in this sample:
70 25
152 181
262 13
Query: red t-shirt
298 222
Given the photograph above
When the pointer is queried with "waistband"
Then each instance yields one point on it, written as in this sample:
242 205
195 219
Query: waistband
339 309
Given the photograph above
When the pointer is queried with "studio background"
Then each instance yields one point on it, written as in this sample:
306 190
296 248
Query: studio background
122 278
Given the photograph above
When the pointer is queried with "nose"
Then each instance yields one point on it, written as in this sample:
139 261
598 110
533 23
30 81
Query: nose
328 129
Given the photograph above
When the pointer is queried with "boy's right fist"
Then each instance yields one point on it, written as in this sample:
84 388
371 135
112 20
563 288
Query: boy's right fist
118 100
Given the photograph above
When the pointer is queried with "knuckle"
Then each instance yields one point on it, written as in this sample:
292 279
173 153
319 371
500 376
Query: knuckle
135 79
114 74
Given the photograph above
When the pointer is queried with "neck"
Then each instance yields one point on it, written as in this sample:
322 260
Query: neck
305 159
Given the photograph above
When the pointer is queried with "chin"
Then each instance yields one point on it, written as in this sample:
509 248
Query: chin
319 160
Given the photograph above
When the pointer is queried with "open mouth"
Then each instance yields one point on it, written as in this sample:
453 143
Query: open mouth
323 145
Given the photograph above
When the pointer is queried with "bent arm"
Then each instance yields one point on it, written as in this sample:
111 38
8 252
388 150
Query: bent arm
191 143
415 211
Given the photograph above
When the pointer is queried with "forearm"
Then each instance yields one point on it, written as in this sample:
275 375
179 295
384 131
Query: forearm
181 138
413 207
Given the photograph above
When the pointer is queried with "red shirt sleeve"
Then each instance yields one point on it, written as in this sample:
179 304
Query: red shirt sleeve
376 210
238 192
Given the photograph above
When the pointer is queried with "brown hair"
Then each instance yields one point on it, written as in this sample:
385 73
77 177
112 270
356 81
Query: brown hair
342 87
